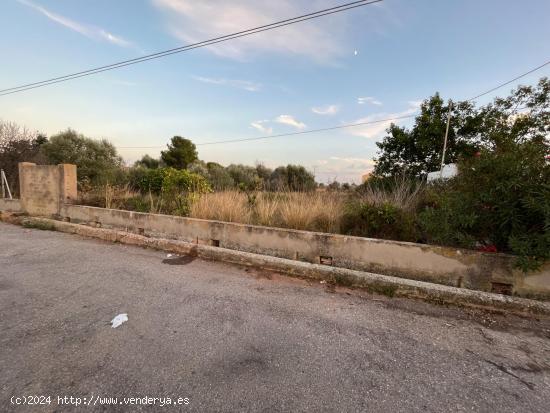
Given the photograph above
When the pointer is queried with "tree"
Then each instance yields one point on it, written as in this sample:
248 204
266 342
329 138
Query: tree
18 144
292 178
244 176
97 161
180 154
418 150
498 125
147 161
219 177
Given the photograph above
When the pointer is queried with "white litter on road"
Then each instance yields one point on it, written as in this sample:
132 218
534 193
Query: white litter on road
168 255
119 319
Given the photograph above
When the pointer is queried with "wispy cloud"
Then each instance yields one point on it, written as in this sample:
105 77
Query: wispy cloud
260 125
370 100
92 32
326 110
360 161
240 84
376 130
191 21
343 169
291 121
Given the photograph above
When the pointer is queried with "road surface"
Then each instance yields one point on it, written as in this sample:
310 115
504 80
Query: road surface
214 337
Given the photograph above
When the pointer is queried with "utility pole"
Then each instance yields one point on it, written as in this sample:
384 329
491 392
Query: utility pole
445 140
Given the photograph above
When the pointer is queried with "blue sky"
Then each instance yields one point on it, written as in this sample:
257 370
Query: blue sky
301 77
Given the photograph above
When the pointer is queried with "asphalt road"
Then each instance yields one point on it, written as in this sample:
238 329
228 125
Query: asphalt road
232 340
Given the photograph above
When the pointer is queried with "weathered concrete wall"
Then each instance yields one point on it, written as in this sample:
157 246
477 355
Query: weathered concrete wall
10 205
45 188
443 265
49 191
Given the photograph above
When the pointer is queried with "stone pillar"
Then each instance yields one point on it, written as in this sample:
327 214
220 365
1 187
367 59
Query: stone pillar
45 188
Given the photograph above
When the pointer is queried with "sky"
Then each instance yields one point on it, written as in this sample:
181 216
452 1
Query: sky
369 63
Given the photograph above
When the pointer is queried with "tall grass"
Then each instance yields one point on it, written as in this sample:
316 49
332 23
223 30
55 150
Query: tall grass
403 194
333 212
228 206
315 211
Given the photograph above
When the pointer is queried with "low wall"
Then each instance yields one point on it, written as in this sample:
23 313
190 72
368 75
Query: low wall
450 266
10 205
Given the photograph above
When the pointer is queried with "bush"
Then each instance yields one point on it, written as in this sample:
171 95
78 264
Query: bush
500 198
145 179
180 188
385 221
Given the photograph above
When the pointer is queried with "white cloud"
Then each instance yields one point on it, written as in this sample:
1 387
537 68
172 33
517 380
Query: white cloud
240 84
343 169
370 100
192 21
290 120
92 32
260 125
381 122
326 110
360 161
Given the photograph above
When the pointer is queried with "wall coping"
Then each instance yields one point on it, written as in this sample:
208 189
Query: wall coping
463 251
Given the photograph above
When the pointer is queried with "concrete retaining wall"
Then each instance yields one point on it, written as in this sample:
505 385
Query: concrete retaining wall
49 190
443 265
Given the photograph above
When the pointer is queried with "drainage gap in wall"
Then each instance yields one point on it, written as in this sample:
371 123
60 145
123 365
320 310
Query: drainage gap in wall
325 260
501 288
141 231
215 242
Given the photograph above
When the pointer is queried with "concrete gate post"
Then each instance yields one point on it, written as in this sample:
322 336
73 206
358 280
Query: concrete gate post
44 189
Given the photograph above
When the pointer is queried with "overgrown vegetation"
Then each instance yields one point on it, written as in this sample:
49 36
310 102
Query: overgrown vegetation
498 202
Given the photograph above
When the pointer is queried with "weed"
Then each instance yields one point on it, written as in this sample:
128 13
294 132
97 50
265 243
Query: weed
43 226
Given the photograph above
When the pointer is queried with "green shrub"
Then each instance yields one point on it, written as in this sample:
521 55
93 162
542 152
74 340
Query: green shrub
180 188
145 179
500 198
384 221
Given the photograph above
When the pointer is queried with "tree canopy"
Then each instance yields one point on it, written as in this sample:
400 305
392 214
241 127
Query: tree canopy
417 150
180 154
97 161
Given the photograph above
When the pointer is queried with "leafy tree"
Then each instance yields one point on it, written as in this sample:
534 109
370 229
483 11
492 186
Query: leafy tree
199 167
97 161
180 154
418 150
292 178
264 174
147 161
521 117
498 125
245 177
18 144
219 177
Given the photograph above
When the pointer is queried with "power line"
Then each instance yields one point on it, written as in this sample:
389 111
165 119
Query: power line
349 125
255 30
509 81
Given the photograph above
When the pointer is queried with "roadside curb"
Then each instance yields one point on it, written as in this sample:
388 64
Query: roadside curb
377 283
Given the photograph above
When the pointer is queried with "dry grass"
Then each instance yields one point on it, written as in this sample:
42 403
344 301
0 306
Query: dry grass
107 196
228 206
314 211
403 195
